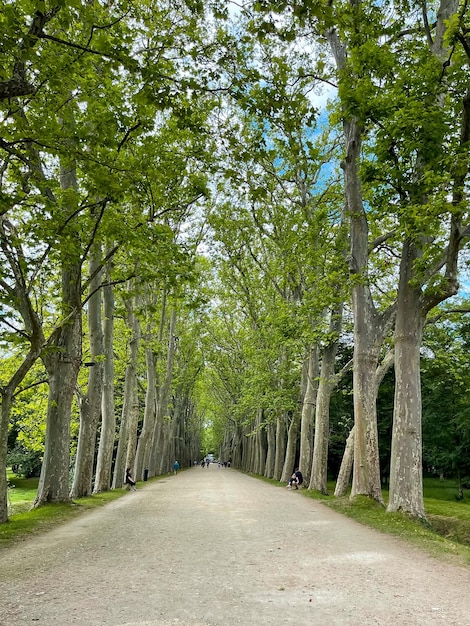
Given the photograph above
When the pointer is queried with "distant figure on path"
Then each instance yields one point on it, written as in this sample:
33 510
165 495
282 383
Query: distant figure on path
203 463
295 480
176 467
129 480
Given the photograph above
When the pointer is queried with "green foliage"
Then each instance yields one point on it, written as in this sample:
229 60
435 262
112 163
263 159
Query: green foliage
25 463
445 379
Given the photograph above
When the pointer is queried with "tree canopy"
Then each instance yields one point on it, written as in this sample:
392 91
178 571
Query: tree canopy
235 228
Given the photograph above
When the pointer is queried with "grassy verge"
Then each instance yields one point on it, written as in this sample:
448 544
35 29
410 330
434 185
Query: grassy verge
24 522
445 533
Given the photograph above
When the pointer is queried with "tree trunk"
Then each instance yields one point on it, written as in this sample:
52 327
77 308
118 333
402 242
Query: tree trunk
145 439
63 364
108 417
280 446
7 403
326 386
406 483
90 404
159 452
271 451
291 448
344 475
62 358
369 328
133 425
308 412
128 403
33 328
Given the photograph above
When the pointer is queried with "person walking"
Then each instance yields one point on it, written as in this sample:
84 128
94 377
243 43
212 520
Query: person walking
176 467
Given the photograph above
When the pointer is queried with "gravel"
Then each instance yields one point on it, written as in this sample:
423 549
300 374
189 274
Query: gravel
215 547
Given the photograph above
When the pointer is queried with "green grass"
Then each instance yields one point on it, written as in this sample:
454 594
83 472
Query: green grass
445 532
24 522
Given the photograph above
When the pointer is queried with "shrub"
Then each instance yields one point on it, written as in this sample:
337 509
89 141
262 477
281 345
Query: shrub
26 463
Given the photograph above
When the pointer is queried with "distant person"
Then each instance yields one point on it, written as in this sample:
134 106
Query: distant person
295 480
129 480
176 467
203 463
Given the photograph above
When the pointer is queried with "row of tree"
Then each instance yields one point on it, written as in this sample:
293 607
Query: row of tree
169 178
399 134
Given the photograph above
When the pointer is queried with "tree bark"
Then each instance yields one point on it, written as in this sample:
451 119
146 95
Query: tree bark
62 359
108 417
326 386
308 412
159 460
291 448
150 411
406 483
129 390
280 446
90 404
344 474
271 451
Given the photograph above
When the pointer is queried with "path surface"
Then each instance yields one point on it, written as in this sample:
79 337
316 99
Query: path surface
213 547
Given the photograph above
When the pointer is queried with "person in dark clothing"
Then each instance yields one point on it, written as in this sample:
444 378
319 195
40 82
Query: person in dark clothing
129 480
295 480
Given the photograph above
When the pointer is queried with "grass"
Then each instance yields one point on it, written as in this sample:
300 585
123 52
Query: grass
445 533
24 522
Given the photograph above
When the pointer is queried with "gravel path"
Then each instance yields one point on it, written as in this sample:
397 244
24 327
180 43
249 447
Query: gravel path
213 547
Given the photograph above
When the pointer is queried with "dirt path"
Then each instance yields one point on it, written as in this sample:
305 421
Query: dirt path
213 547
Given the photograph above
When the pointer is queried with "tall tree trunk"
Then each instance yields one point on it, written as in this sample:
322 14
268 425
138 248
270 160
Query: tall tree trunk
7 403
406 452
271 451
129 390
33 328
133 426
345 470
90 404
259 445
150 411
108 417
291 448
369 327
326 386
308 412
280 446
62 359
237 450
159 452
414 301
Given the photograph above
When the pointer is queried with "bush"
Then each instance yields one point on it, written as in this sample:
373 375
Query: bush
26 463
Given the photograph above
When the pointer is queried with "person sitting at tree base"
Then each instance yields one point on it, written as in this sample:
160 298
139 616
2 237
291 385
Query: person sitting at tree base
130 482
295 480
